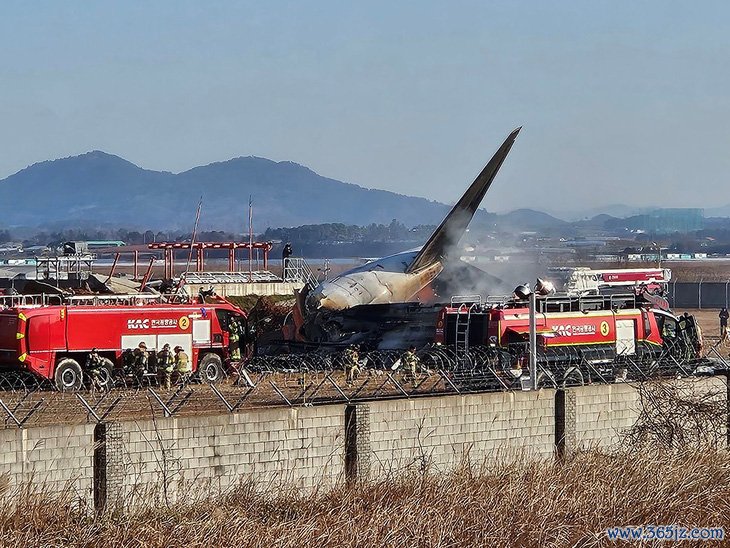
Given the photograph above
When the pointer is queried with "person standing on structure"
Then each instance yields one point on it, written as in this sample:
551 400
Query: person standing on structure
724 314
285 254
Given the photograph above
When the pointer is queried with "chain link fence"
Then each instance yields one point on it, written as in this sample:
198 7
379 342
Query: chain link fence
713 295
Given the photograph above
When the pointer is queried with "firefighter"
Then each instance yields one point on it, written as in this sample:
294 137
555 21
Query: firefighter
128 359
94 365
234 337
141 360
691 332
166 362
182 365
724 315
351 361
412 363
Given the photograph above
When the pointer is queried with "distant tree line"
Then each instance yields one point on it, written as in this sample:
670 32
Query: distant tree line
715 239
339 232
305 234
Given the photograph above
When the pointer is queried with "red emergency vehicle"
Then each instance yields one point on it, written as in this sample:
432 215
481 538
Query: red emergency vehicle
54 342
572 332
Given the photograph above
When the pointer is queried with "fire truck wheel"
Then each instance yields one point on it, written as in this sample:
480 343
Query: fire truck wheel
211 368
68 375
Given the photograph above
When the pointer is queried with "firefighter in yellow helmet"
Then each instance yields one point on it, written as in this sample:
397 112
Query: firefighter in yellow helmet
411 363
234 337
166 362
351 363
182 365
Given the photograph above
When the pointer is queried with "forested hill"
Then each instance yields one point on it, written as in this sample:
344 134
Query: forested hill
103 188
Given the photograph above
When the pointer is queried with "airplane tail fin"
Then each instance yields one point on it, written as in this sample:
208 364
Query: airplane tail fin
454 225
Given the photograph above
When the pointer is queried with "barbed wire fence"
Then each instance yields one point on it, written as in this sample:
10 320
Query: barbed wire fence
320 377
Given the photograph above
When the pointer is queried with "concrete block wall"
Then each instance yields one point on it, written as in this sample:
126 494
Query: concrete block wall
307 447
440 432
299 447
603 413
57 458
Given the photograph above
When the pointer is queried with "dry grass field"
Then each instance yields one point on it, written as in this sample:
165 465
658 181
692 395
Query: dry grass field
695 271
517 503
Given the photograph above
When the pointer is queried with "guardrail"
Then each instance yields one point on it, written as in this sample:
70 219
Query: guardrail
296 269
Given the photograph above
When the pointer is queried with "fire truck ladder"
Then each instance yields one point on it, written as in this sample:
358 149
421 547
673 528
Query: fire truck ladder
467 304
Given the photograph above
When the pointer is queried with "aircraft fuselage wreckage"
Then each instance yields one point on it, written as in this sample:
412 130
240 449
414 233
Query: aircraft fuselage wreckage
394 279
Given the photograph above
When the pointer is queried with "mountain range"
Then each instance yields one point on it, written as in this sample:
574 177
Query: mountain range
104 189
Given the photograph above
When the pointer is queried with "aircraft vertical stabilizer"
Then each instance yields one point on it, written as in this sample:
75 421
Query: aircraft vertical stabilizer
454 225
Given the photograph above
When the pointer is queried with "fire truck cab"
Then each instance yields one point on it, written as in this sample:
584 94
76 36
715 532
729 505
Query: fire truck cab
54 342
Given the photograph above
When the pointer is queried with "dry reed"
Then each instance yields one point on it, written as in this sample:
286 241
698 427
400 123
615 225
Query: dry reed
517 503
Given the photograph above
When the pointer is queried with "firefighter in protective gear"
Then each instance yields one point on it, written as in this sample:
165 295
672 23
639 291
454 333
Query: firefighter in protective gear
94 365
128 359
166 362
182 365
411 362
351 363
141 360
234 338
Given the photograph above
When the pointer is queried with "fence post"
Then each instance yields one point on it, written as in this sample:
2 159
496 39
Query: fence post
357 442
109 468
699 295
565 435
100 467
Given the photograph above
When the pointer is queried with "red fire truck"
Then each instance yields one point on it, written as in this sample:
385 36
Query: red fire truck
54 341
576 336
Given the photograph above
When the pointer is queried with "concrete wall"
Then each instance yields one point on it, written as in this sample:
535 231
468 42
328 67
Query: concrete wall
57 458
440 432
307 447
299 447
603 413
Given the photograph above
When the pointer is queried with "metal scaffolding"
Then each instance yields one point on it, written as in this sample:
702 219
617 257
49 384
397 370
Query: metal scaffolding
200 248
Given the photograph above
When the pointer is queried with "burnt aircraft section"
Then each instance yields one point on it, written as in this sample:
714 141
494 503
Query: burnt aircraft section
398 278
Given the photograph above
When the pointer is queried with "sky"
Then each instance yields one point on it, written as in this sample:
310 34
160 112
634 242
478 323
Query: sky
620 102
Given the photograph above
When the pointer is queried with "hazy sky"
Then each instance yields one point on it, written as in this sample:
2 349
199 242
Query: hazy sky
620 101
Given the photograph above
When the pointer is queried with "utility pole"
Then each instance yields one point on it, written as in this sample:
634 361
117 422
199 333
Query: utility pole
250 238
533 341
